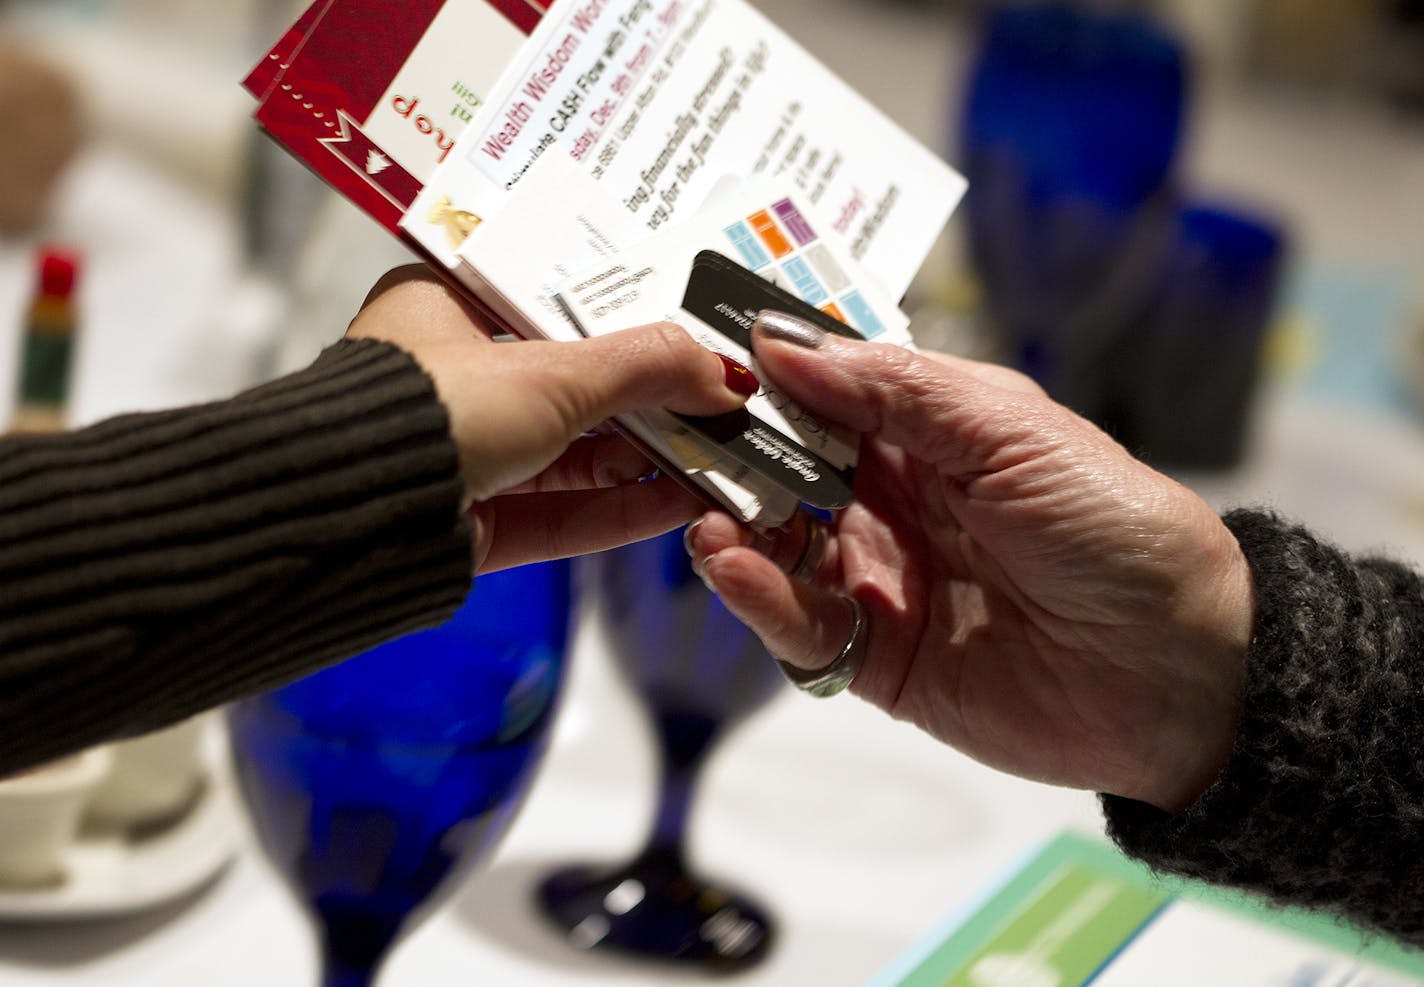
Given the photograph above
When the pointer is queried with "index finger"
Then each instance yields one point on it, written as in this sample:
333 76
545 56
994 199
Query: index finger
966 423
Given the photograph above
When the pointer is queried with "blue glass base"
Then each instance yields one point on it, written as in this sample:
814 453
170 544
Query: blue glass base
653 908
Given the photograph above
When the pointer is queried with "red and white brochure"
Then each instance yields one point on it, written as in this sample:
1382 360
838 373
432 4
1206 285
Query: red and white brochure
372 95
266 72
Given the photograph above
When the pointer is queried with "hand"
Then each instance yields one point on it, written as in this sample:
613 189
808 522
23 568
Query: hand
39 124
1036 597
519 413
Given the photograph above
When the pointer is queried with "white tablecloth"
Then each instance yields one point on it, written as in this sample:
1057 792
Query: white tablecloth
858 833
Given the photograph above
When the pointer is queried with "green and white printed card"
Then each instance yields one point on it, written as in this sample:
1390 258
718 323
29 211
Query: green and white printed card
1080 913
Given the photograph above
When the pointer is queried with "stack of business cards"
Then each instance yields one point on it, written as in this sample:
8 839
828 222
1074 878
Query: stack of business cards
600 164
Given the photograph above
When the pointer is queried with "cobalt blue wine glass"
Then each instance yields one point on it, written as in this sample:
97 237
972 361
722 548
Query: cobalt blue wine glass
699 672
375 784
1072 127
1190 368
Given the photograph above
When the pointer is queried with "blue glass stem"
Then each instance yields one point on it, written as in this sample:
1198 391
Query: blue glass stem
353 946
684 740
333 976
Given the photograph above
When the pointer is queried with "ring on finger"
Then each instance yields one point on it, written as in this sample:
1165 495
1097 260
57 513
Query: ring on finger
813 551
841 672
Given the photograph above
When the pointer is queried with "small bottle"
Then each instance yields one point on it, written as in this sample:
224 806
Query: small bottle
47 357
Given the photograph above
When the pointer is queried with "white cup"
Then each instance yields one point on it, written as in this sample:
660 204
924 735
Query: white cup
40 811
153 779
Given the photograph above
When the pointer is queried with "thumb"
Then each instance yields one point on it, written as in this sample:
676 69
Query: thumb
644 368
961 415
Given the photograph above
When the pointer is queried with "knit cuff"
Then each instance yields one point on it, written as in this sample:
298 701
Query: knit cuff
1322 801
158 564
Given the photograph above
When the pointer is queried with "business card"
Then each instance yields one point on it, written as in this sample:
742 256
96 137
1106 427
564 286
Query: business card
688 275
559 225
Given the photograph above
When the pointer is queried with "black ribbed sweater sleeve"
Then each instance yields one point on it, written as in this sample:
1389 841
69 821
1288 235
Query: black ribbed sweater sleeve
1322 801
155 565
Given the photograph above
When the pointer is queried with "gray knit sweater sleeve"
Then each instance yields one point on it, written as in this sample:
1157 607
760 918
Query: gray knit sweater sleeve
1322 802
159 564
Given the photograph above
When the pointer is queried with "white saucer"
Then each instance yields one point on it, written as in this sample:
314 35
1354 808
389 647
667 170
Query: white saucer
110 875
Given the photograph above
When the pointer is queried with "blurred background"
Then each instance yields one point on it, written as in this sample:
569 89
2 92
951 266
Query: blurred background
1198 222
1178 208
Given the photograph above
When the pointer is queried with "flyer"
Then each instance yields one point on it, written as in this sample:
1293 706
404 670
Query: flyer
374 95
659 102
1078 912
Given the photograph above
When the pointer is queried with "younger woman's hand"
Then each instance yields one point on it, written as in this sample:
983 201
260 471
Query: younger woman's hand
521 412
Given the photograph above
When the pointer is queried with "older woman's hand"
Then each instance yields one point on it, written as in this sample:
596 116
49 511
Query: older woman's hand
519 413
1034 595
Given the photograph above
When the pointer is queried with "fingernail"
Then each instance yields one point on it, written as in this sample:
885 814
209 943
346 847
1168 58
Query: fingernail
779 325
688 534
704 573
738 378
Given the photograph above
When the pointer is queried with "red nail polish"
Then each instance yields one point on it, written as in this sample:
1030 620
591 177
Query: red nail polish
739 379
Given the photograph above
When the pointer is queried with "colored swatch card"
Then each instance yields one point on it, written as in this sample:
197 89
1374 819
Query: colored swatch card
1078 913
779 242
657 101
375 95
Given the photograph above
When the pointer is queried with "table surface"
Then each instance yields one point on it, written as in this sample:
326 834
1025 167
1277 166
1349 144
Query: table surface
861 834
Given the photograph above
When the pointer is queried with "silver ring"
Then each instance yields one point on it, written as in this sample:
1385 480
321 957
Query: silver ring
840 673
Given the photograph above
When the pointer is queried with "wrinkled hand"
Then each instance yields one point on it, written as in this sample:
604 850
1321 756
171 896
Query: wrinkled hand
1036 597
540 487
39 129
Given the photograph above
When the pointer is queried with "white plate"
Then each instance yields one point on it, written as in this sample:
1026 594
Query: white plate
108 875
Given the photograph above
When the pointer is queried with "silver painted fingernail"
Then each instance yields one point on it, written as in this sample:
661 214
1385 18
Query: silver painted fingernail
701 569
779 325
688 534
